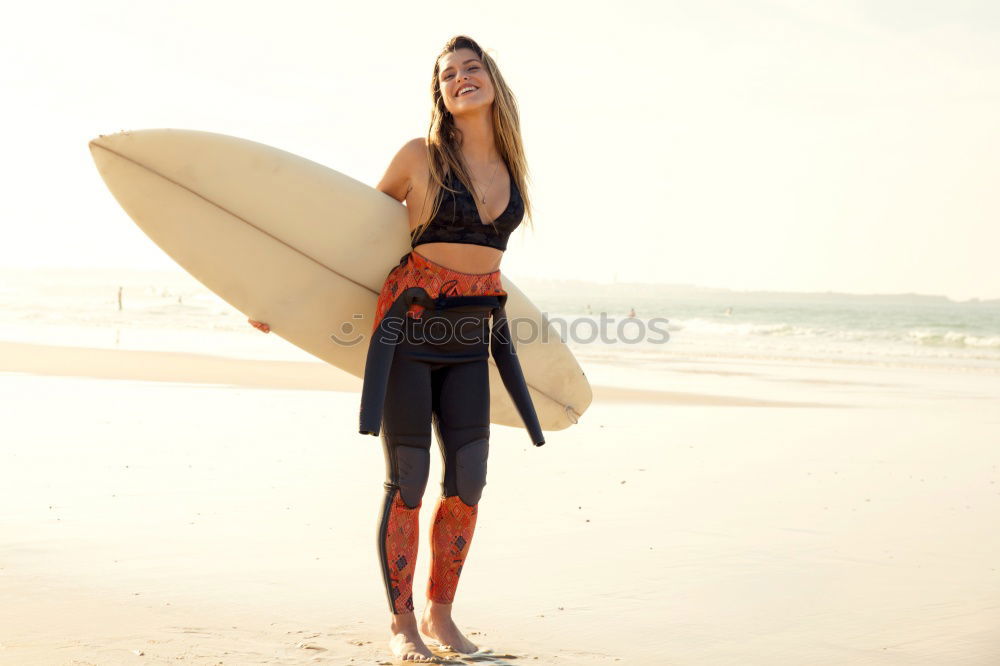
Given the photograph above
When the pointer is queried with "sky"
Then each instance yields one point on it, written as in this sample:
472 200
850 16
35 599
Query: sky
840 146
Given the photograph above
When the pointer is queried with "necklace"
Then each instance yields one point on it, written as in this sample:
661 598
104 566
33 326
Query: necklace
495 169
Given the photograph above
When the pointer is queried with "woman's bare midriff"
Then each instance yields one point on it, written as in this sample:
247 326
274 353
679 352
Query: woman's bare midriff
462 257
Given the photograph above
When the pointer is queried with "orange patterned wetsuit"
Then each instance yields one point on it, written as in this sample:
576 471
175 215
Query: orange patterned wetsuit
444 388
416 382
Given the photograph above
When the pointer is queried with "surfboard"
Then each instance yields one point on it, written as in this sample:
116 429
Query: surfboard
305 248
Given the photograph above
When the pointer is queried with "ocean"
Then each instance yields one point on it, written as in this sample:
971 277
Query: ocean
171 311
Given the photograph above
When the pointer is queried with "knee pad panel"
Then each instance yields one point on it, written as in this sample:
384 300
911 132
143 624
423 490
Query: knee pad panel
412 468
470 472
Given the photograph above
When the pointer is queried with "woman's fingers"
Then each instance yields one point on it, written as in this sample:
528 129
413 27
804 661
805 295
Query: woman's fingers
259 325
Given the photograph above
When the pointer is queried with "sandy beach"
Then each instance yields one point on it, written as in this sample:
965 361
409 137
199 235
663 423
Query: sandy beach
183 508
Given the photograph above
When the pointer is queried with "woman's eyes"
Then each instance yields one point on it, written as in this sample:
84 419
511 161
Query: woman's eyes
451 75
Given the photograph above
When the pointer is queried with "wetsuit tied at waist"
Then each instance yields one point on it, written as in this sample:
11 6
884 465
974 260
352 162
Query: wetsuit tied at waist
387 335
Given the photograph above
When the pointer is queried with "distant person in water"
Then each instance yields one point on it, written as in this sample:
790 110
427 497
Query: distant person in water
631 313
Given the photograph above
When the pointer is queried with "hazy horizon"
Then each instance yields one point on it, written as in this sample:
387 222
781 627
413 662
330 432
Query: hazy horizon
180 273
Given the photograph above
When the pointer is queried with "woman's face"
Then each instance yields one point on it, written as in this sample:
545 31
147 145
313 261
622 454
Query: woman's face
459 70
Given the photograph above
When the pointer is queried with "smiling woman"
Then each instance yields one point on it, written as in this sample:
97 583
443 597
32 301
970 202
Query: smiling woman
464 189
469 171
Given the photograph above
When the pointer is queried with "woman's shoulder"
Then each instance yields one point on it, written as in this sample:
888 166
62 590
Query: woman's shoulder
416 147
417 159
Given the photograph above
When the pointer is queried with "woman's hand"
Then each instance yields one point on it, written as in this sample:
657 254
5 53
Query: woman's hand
259 325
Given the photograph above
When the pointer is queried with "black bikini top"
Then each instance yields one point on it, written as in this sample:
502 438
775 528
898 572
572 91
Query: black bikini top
458 221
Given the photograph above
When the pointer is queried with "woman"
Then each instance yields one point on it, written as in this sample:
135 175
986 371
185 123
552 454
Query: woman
463 189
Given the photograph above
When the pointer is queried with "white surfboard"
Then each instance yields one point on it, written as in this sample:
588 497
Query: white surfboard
304 248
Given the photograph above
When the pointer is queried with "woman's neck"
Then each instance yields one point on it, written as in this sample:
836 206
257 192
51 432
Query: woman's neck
478 146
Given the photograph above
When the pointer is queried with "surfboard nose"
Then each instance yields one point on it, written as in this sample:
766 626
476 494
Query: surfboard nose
110 141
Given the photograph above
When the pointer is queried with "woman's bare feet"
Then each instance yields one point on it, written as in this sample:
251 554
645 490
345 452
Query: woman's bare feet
406 642
437 623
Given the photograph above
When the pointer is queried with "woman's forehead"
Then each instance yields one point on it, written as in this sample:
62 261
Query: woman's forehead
456 58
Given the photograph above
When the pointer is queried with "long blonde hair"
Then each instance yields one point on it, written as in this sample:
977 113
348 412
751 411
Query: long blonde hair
443 137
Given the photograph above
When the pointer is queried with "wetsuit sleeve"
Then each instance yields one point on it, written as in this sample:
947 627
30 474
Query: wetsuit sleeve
381 349
505 356
380 353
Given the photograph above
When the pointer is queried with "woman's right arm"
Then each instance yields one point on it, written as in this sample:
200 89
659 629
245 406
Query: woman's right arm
397 180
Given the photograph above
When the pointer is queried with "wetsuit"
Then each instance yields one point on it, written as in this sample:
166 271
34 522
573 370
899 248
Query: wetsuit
427 368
